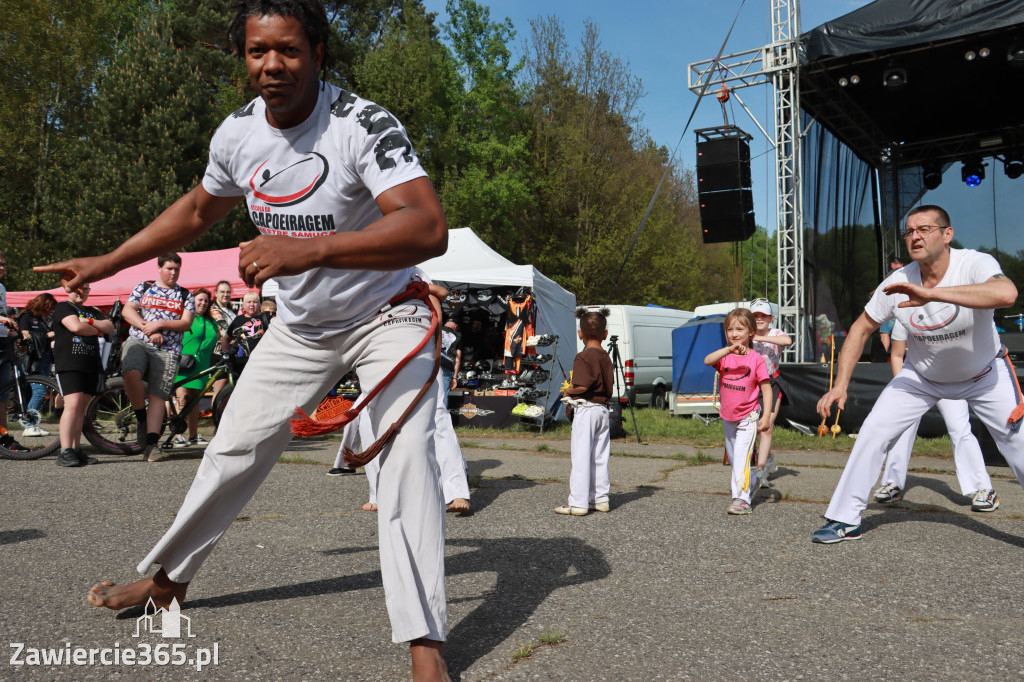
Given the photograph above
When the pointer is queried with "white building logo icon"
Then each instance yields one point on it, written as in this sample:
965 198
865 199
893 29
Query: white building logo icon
164 622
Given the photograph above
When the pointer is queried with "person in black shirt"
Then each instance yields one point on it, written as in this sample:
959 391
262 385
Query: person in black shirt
35 329
76 349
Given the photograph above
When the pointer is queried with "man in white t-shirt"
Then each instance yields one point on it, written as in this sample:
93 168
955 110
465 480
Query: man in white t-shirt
159 312
967 456
345 210
945 300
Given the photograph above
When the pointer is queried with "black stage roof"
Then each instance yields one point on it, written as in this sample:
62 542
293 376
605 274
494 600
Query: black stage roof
950 107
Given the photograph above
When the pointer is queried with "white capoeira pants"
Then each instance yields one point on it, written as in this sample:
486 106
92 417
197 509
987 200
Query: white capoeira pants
739 443
967 456
590 449
991 396
285 371
452 464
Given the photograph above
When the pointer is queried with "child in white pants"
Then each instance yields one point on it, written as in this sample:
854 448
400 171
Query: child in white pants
590 392
744 379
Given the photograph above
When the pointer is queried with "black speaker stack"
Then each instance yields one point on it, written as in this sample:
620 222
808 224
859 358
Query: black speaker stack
723 184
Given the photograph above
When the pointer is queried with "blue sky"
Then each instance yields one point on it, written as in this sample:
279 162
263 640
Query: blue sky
659 38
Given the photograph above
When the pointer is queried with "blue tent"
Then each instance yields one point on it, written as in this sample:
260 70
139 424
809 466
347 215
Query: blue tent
691 343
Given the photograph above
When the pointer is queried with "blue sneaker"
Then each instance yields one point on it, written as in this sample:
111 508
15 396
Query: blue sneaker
836 531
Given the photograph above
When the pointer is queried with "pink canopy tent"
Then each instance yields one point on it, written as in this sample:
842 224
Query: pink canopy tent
199 269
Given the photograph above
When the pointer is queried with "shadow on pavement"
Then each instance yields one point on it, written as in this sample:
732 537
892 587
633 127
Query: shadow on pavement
528 571
488 491
9 537
617 500
941 487
952 519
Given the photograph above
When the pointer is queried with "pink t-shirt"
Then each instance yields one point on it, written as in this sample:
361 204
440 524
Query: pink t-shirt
738 384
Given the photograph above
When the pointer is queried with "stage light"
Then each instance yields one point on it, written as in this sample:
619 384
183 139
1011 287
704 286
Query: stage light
1015 55
970 55
932 174
843 82
1013 165
894 78
854 79
984 52
973 172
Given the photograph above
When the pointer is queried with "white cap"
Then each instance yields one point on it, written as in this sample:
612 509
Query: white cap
760 305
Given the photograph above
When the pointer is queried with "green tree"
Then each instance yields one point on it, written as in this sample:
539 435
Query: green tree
411 74
156 106
757 260
49 53
485 181
596 170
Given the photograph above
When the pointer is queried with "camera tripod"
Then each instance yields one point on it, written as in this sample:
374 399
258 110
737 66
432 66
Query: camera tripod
617 374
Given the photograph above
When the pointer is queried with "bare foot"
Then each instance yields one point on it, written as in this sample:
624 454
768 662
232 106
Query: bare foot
459 505
428 661
117 597
369 506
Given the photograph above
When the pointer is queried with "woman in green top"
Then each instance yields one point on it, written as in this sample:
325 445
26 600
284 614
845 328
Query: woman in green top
199 341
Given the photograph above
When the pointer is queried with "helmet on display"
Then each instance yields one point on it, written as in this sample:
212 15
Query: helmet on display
483 366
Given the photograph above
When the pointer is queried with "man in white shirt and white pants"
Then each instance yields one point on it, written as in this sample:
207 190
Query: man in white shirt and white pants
945 300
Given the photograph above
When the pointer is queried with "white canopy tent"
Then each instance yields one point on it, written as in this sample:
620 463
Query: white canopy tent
470 261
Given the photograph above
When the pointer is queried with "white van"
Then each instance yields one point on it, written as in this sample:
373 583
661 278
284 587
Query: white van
644 340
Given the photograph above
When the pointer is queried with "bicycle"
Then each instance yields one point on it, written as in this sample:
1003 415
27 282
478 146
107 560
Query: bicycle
18 393
110 423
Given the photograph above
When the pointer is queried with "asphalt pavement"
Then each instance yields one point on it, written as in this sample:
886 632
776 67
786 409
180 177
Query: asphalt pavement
665 586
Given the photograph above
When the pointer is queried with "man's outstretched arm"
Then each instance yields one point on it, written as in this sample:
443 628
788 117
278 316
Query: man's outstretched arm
996 292
180 224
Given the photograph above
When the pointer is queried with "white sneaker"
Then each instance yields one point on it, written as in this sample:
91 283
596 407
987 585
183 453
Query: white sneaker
34 431
180 441
770 466
985 500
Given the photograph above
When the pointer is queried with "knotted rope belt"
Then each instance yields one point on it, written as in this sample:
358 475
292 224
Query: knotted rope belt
1018 412
304 425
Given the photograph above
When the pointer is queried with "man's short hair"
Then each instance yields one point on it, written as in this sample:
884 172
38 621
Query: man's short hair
309 13
168 257
932 208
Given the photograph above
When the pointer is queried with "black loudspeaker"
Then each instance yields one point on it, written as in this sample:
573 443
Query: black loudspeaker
723 185
724 176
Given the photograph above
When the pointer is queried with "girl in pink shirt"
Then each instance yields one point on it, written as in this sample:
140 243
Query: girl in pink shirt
743 379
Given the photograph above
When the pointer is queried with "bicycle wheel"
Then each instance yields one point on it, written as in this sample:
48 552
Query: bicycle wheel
110 422
220 403
40 434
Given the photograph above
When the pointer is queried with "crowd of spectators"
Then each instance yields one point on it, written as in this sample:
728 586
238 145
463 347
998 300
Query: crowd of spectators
65 340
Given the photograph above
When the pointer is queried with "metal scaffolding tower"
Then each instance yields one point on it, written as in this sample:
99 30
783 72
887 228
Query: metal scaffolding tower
775 63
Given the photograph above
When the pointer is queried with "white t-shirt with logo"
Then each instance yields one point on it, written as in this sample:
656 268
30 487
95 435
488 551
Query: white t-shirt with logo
313 180
160 303
771 352
945 342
